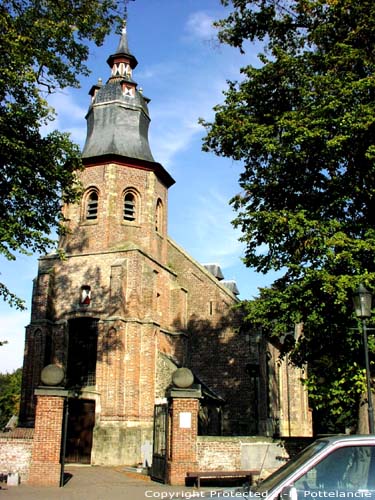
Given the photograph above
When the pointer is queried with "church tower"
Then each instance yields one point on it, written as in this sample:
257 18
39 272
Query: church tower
96 312
125 190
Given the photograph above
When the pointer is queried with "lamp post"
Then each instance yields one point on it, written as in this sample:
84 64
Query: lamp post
362 299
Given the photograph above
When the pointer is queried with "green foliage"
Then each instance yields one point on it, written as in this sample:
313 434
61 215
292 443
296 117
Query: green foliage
303 124
10 392
44 47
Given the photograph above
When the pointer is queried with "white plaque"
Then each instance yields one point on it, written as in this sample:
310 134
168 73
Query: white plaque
185 420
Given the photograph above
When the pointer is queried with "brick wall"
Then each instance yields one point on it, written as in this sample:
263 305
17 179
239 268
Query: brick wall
246 453
15 452
45 465
222 453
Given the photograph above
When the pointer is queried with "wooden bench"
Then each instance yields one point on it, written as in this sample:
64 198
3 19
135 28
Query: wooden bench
208 474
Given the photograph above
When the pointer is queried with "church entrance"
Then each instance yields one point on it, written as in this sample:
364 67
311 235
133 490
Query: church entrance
81 421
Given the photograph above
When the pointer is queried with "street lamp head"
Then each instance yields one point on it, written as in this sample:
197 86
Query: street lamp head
362 300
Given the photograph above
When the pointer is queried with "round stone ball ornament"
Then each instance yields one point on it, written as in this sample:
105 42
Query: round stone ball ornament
52 375
183 378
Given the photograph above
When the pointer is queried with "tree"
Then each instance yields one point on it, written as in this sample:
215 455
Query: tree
44 47
303 124
10 393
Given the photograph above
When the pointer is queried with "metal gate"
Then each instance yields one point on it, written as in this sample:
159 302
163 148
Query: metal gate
159 451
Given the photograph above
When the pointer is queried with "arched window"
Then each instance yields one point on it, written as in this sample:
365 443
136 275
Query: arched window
92 202
129 207
159 216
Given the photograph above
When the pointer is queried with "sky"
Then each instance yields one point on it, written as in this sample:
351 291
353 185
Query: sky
183 69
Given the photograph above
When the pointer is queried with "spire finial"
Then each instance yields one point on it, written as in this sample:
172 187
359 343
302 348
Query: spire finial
123 44
116 61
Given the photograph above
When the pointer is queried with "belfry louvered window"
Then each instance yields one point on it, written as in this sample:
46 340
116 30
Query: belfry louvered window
129 207
92 206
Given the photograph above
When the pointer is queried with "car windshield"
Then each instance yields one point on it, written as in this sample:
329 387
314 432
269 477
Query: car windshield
291 466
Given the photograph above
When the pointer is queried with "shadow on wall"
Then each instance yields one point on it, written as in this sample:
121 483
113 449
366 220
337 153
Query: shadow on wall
84 295
219 354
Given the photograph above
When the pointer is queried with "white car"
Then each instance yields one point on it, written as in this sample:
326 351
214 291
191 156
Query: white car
332 467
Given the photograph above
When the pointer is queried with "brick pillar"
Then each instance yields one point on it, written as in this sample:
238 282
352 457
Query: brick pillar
45 468
182 435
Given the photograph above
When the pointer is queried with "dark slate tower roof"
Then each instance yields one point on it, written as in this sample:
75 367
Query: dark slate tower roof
118 118
231 285
215 270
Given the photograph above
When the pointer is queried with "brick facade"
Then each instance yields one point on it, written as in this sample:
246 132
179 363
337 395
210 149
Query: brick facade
126 305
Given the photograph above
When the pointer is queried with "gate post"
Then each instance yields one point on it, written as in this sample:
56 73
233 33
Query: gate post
45 467
182 436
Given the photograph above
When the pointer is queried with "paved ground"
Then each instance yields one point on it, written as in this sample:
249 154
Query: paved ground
102 483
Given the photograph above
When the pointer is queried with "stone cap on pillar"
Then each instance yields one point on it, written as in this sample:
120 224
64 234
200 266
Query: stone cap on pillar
51 391
193 392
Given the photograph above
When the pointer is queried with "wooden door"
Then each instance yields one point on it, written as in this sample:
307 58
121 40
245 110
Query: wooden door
81 421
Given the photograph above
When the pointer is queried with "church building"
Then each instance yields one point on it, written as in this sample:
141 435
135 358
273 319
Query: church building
126 306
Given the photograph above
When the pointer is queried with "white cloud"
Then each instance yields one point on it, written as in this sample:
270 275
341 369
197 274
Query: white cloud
156 71
177 126
175 120
204 228
216 236
199 26
69 116
170 143
66 106
150 72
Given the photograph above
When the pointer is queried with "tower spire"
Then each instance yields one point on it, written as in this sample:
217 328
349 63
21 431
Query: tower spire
123 44
122 62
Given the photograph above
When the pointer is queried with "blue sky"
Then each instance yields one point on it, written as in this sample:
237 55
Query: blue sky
183 70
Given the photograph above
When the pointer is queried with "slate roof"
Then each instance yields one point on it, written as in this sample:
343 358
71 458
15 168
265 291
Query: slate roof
118 118
117 124
231 285
215 270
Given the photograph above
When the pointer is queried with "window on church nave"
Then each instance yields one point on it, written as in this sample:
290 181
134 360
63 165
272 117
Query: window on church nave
92 206
129 207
